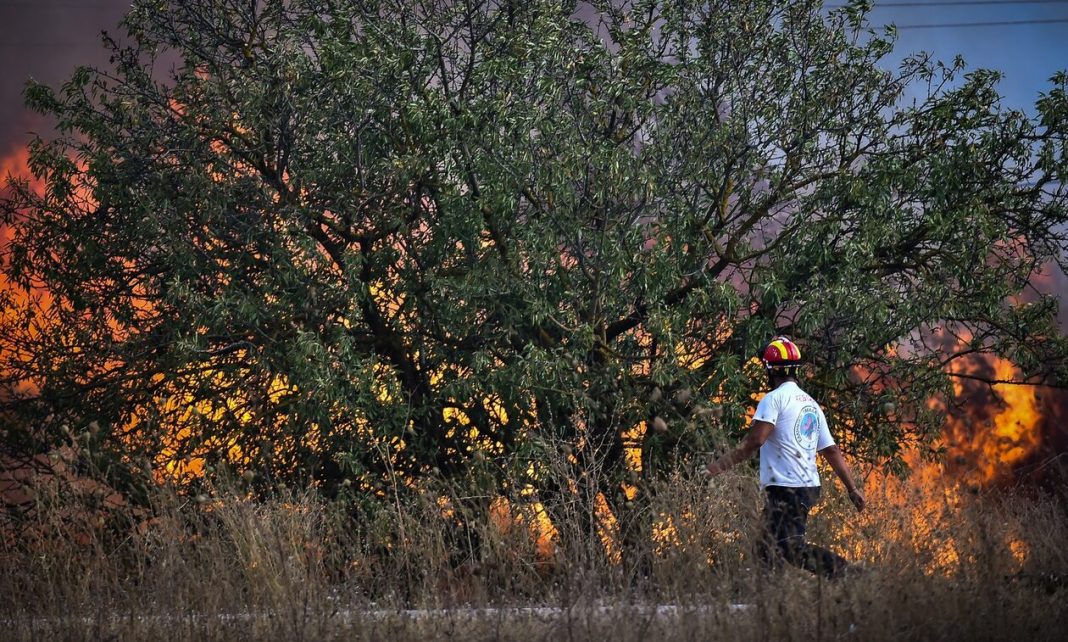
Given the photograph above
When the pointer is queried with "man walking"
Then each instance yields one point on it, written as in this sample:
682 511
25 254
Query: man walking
788 429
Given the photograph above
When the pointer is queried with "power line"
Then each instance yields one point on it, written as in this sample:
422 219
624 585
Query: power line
8 44
44 4
999 23
952 3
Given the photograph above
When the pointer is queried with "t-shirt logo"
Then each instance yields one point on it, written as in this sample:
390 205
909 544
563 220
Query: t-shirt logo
806 429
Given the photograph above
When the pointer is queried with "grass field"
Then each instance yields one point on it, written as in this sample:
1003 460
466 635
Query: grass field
939 563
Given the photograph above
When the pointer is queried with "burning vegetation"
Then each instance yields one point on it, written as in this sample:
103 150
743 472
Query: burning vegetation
472 295
1002 433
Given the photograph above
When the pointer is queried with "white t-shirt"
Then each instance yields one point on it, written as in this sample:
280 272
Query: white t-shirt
788 457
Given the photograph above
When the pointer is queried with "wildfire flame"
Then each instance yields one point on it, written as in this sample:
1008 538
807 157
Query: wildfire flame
992 429
999 427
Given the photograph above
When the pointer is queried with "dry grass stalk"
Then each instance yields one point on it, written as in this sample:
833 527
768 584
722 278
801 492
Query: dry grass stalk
939 566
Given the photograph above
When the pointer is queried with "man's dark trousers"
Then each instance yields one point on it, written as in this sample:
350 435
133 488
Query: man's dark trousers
785 520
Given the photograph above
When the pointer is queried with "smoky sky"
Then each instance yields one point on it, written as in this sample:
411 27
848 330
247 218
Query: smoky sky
46 40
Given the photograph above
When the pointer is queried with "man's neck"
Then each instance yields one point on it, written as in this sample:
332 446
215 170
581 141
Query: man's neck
775 383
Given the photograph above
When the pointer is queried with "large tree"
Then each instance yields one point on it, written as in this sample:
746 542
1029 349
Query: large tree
335 240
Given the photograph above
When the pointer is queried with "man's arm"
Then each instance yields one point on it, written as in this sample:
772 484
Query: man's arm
758 434
834 457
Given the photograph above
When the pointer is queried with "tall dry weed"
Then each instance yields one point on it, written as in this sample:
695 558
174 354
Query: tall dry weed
938 564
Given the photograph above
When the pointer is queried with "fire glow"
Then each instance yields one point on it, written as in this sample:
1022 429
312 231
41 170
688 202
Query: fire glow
989 432
998 429
1000 426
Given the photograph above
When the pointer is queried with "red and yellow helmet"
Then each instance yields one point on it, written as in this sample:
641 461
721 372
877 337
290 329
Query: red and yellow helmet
781 353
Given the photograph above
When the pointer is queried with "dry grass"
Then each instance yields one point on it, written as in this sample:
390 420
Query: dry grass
940 564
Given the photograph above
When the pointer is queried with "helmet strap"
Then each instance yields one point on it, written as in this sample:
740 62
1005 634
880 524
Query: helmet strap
782 372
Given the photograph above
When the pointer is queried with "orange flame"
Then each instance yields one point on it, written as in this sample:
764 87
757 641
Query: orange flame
992 429
998 429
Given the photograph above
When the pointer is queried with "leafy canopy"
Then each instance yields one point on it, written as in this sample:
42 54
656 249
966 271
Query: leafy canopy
340 240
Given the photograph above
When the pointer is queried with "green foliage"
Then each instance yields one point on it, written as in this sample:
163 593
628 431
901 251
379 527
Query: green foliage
338 235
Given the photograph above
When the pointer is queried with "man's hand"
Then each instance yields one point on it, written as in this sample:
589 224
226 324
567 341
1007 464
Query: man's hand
758 434
834 457
857 497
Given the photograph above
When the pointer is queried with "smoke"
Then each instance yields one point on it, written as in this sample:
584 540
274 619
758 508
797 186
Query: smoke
45 40
1051 280
1048 463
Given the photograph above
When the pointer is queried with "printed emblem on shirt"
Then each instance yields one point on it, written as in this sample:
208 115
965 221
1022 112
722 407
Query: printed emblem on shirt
806 429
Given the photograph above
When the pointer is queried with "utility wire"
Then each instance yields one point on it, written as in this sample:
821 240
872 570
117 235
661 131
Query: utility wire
967 3
999 23
951 3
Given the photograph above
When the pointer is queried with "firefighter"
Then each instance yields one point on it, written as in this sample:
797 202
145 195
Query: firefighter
788 429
